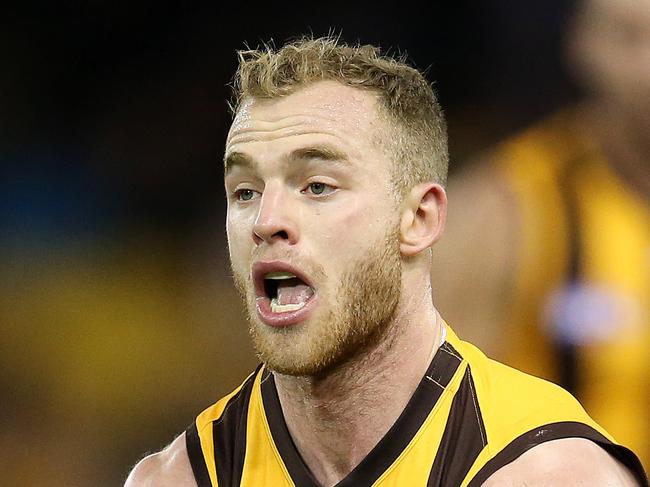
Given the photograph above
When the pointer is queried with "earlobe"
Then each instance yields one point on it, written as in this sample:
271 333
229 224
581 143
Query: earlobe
423 218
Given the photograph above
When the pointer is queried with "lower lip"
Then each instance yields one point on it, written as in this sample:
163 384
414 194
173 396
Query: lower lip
288 318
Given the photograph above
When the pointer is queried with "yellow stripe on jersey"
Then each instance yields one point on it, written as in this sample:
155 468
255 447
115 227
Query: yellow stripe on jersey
262 457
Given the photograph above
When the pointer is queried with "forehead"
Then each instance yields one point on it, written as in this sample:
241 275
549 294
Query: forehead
325 108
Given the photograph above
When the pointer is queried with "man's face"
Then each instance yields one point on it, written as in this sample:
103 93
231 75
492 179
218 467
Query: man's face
613 52
312 226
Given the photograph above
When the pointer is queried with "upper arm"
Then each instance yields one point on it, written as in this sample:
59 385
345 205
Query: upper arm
569 461
167 468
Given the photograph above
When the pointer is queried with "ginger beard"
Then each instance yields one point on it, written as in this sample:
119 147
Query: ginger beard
352 319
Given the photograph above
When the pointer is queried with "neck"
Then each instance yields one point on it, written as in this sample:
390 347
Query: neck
336 420
625 143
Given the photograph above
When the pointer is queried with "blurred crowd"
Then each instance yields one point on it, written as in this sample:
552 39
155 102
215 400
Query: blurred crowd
118 317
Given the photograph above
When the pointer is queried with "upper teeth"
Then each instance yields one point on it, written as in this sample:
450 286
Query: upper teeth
279 275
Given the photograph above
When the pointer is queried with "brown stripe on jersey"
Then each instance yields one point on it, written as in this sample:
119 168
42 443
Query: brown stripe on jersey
556 431
383 455
440 372
229 435
298 470
463 439
197 460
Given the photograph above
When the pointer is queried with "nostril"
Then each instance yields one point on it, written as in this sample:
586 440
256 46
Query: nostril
259 237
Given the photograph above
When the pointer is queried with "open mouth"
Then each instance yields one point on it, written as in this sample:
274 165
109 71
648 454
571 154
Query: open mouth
285 295
286 291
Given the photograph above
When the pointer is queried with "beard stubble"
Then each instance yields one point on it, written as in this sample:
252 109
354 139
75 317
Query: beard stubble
355 318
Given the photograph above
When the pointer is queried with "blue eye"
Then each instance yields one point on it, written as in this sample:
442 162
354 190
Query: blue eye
245 194
317 188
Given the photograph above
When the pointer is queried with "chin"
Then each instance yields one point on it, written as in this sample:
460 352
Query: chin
307 349
290 350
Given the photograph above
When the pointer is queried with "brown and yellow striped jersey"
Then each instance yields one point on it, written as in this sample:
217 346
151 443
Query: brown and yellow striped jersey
468 417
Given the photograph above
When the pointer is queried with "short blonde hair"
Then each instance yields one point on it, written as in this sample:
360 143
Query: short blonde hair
419 144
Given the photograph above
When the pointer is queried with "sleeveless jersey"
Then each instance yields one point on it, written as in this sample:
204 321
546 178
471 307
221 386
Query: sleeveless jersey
468 417
583 279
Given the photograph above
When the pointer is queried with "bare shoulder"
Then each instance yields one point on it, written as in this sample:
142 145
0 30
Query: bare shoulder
570 462
169 467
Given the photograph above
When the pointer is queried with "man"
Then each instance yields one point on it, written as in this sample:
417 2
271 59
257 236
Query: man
550 233
334 167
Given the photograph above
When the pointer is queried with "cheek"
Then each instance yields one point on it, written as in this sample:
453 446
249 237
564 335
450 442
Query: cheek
368 219
240 243
353 226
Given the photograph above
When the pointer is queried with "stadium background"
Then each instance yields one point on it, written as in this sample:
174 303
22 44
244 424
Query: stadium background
118 318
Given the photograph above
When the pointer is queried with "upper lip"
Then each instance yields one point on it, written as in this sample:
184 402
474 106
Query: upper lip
261 268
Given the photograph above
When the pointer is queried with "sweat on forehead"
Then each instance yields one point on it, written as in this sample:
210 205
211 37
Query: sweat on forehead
327 106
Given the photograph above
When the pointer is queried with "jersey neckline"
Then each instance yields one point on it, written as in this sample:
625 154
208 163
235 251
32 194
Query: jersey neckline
442 368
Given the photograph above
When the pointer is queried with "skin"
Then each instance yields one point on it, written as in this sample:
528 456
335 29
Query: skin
167 468
274 200
327 412
571 462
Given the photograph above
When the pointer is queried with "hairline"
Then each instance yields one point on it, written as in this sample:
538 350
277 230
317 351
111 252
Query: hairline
389 121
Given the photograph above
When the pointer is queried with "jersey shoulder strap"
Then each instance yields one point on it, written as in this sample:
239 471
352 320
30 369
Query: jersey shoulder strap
218 436
520 411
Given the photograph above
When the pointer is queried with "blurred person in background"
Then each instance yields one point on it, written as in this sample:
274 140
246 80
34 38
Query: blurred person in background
549 233
334 166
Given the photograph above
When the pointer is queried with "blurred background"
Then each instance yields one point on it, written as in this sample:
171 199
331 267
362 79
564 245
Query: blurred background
118 321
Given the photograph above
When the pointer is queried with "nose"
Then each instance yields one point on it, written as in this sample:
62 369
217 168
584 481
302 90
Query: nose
275 219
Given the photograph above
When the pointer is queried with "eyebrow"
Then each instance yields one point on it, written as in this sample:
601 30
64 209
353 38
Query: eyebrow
321 152
237 159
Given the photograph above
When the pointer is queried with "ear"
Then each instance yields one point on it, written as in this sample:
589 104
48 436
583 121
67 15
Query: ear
424 212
